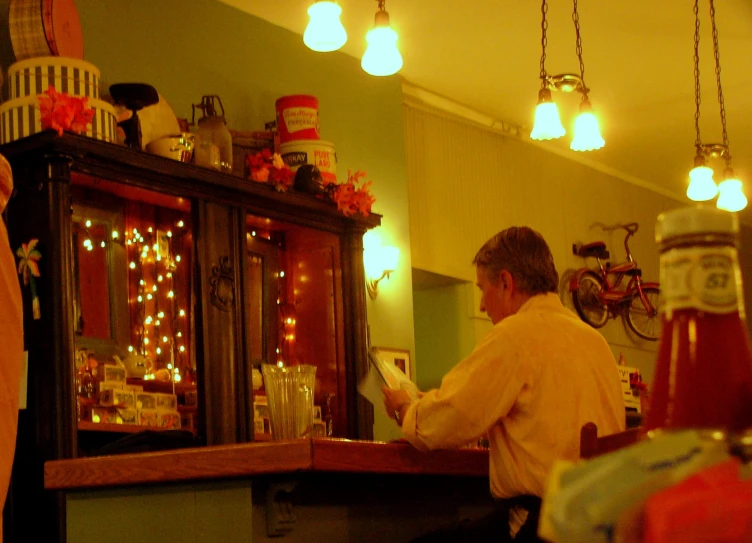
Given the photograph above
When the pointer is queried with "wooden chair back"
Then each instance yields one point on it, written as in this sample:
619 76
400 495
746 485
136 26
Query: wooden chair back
591 445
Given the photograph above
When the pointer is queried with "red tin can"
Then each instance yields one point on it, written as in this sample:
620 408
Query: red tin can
298 118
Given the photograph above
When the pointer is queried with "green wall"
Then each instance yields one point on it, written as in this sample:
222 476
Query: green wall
189 49
444 330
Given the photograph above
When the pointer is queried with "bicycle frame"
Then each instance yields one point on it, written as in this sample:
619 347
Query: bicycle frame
613 277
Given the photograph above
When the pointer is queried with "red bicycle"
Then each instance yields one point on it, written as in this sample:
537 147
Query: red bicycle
597 293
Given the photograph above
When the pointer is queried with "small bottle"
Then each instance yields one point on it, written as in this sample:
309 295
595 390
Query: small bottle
703 375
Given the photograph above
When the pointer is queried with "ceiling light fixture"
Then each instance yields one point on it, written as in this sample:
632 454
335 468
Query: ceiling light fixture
547 124
382 56
702 186
324 32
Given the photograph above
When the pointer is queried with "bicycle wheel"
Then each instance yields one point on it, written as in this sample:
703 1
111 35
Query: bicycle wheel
645 321
586 302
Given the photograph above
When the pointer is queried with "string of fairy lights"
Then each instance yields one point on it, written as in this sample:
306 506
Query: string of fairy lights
159 331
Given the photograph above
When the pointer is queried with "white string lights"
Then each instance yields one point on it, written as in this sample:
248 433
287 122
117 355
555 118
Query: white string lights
160 326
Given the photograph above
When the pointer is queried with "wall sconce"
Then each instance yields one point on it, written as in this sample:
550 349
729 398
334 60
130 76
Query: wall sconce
379 262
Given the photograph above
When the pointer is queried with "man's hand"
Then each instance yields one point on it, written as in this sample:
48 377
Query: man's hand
394 402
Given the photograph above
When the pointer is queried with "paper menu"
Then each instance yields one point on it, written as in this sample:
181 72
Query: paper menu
391 375
381 373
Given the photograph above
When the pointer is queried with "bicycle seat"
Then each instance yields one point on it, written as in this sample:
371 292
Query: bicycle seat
596 249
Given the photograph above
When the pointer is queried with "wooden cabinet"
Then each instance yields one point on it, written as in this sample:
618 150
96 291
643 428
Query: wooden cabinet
193 269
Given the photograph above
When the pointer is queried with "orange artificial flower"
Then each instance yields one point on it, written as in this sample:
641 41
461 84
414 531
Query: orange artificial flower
62 112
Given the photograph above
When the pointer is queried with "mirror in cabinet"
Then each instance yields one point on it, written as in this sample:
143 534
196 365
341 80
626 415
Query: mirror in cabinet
134 333
295 314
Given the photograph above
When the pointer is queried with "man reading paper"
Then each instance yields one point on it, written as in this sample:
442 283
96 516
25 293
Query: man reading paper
530 385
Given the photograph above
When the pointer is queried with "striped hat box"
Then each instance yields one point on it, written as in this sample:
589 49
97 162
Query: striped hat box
21 117
35 75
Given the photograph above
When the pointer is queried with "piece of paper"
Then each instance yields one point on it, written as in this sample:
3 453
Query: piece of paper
370 388
379 374
392 375
24 380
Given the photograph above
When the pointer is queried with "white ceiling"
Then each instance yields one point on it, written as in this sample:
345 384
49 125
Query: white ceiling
638 64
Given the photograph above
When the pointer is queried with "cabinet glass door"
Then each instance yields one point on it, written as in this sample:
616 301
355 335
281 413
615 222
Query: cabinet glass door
295 313
135 363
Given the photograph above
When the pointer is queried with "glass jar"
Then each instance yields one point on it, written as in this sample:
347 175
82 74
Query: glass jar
703 376
214 144
213 139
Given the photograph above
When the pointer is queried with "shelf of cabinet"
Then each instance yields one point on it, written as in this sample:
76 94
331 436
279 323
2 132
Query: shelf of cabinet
105 427
87 426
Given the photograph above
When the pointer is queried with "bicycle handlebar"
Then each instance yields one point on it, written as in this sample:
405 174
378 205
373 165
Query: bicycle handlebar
630 227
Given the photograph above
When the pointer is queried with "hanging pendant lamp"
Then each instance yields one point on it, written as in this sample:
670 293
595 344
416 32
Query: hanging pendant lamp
702 186
381 57
547 124
324 32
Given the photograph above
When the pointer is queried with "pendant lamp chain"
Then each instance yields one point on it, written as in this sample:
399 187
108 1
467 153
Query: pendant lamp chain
718 81
544 42
576 19
698 141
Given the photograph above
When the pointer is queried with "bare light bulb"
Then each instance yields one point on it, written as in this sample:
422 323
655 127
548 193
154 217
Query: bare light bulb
587 133
547 125
702 186
731 196
382 57
324 32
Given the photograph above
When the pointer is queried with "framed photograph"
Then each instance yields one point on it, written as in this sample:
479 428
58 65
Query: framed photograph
261 417
398 357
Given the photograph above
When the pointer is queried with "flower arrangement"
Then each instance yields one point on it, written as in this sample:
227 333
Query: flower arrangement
268 167
62 112
349 197
352 196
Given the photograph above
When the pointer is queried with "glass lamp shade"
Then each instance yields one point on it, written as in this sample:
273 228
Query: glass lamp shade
379 260
587 133
389 258
731 197
702 186
547 125
324 32
382 56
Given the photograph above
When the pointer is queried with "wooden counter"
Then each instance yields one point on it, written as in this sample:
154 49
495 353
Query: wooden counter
252 459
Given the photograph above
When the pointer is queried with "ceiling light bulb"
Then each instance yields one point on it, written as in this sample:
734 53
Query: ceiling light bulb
702 186
587 133
731 196
382 56
547 125
324 32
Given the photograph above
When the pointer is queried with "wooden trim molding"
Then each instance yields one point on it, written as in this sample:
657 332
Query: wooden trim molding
253 459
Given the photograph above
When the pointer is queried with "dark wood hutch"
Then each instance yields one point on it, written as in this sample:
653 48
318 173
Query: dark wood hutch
254 262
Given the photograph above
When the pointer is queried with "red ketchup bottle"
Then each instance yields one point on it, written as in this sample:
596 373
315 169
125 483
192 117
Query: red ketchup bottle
703 376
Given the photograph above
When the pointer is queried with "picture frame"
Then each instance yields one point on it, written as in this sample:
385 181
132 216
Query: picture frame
398 357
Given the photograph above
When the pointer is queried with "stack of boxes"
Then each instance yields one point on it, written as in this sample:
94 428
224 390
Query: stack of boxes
20 116
117 402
